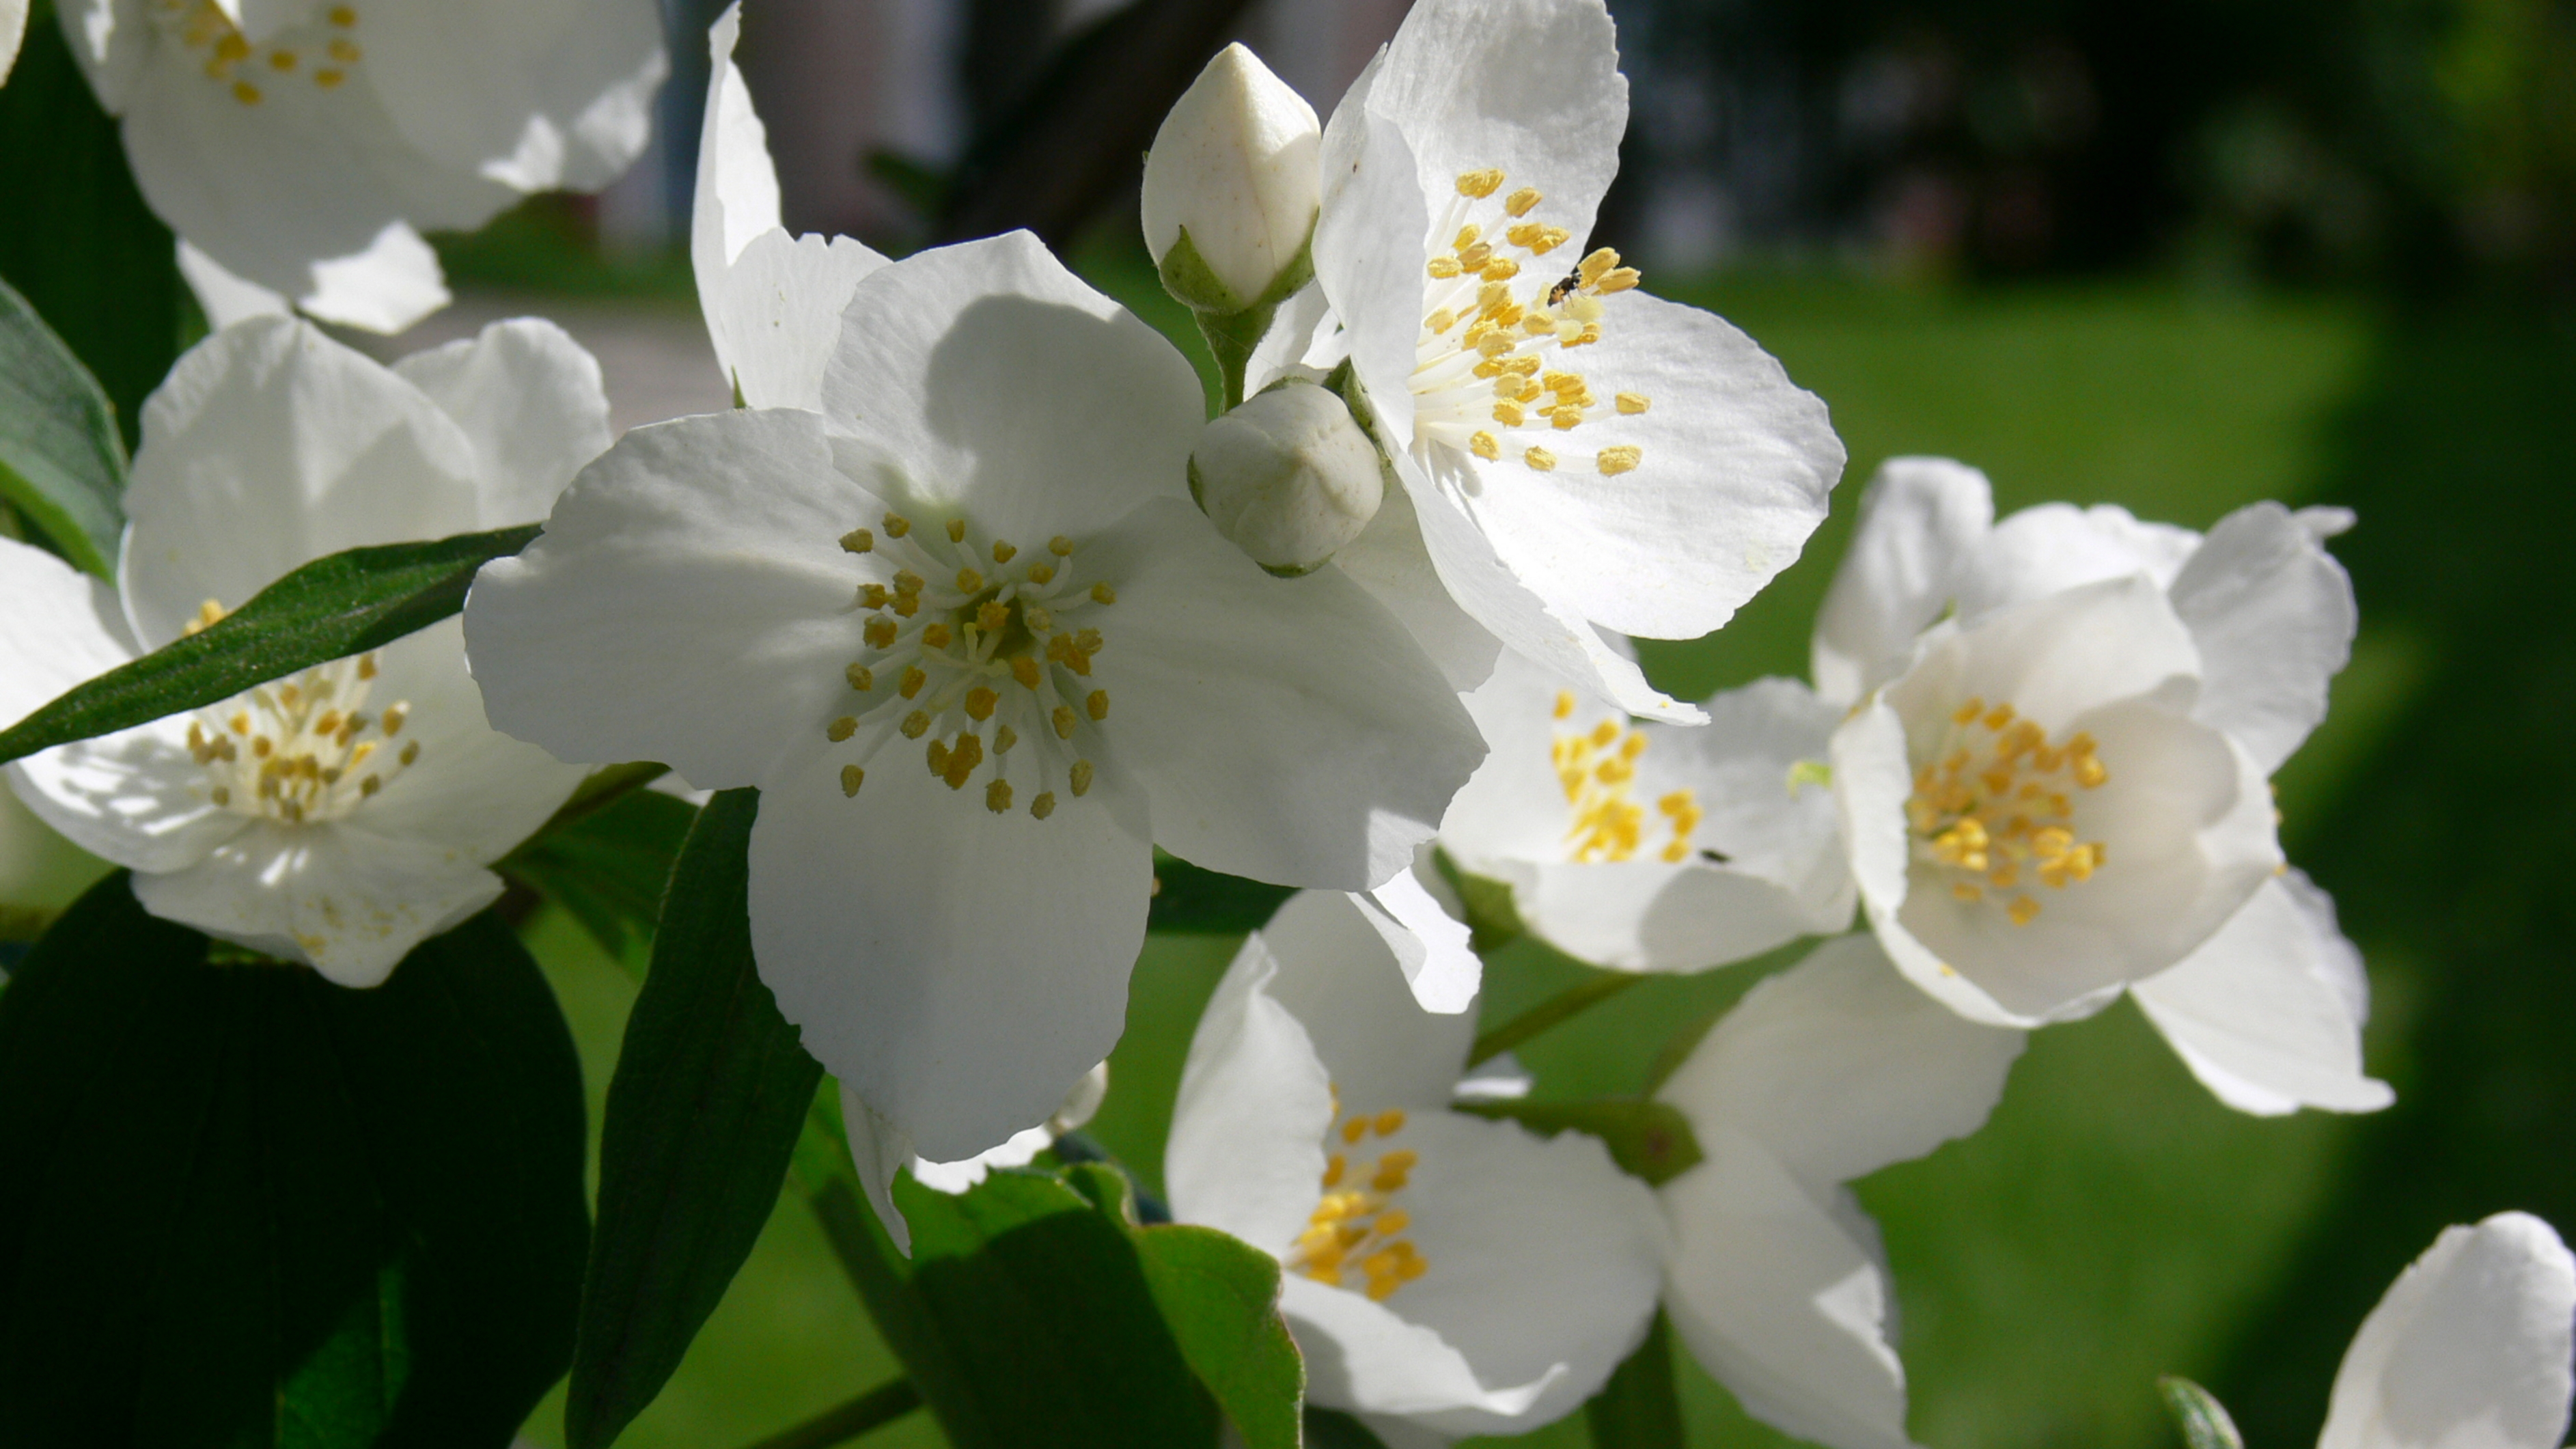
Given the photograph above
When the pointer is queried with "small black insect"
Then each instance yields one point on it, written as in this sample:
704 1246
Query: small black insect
1566 288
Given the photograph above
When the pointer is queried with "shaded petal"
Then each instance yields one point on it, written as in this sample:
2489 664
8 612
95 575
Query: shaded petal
1530 86
1247 1141
959 969
1023 1147
531 401
346 901
1338 977
2273 616
2471 1346
689 602
776 314
737 186
1645 915
1513 808
471 789
2053 547
225 298
1009 389
1921 523
268 446
58 627
1390 561
1304 340
1371 241
2055 658
536 97
879 1150
135 797
391 284
2268 1012
1544 1262
1431 946
13 26
1360 1355
1286 730
1736 463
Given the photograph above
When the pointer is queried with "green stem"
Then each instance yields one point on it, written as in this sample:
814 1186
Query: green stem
1231 337
1573 1001
877 1407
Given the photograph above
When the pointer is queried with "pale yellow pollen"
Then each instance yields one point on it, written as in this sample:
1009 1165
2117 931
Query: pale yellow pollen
937 636
345 51
1063 720
1509 414
1441 321
968 581
1632 403
1003 553
281 60
957 530
915 724
841 729
1334 1167
1103 594
1080 777
1389 1122
1003 738
1024 669
1990 810
1466 237
861 677
879 632
896 525
246 93
328 79
997 797
1355 1129
1477 185
1484 445
913 679
1615 461
907 583
858 540
343 16
1520 202
1041 572
1540 460
851 778
1044 805
410 752
1097 705
980 702
1060 546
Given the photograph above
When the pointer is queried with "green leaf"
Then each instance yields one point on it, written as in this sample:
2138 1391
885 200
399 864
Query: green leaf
607 866
1649 1140
61 461
1639 1408
242 1206
80 246
1220 1298
2202 1418
711 1090
344 604
1333 1429
1189 899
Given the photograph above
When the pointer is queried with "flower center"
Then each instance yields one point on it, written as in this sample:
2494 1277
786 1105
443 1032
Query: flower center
1598 769
301 749
970 636
1490 374
230 60
1356 1227
1998 809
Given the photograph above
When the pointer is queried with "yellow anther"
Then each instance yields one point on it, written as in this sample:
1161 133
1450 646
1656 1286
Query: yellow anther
1617 279
907 583
873 596
1393 1221
1508 414
1484 445
1003 738
1540 460
1443 268
1041 573
1622 459
1520 202
911 682
1060 546
1999 716
914 724
1969 711
1473 259
1355 1129
1097 705
1003 553
2023 910
968 581
393 718
1564 418
1466 237
1102 594
343 16
1440 321
2089 772
328 80
841 729
410 752
1062 719
367 665
1038 618
1594 267
1334 1167
906 605
997 797
858 540
1044 805
851 778
281 60
231 46
980 702
992 615
1080 777
246 93
1501 269
1389 1122
896 525
345 51
937 756
956 530
222 796
1024 668
937 636
879 633
963 757
1477 185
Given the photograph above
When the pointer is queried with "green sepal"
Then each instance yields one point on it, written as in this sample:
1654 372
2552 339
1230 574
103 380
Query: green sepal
1652 1141
1232 325
62 464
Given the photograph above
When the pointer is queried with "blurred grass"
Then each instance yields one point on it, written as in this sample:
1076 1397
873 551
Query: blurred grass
2113 1222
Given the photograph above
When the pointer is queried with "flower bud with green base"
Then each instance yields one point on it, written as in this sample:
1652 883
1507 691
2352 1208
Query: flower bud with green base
1232 188
1288 477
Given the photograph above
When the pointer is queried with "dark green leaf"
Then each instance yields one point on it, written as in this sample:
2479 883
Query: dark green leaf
242 1206
1192 900
1650 1140
79 244
1639 1408
1333 1429
344 604
61 461
1220 1298
607 866
2203 1420
710 1093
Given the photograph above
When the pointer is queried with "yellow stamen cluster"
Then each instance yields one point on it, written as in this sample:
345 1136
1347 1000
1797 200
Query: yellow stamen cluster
1996 809
1356 1226
1488 335
303 748
980 646
202 26
1598 769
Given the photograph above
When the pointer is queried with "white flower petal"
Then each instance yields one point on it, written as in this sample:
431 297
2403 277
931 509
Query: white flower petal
58 627
1286 729
1736 463
879 1150
2273 616
1530 86
2470 1347
1389 560
536 97
2054 547
1338 977
471 789
959 969
1544 1263
386 287
2268 1012
1513 808
1302 341
962 1175
135 797
347 901
2057 657
1431 946
532 402
1001 383
268 446
1921 523
737 186
1369 250
776 314
1361 1355
223 297
13 25
660 619
1247 1140
1645 915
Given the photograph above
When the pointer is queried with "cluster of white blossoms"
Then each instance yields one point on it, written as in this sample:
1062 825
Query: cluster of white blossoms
973 592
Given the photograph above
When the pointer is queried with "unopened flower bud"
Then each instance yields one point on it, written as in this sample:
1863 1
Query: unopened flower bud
1289 477
1232 187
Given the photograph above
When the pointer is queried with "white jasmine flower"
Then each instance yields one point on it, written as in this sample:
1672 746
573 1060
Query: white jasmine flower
1777 1283
2264 1003
772 301
1445 1273
2471 1346
296 145
1233 164
977 566
340 816
1643 846
1578 456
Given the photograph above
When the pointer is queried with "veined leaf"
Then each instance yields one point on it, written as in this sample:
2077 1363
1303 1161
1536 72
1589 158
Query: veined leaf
1649 1140
346 603
242 1206
711 1091
1220 1297
61 461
